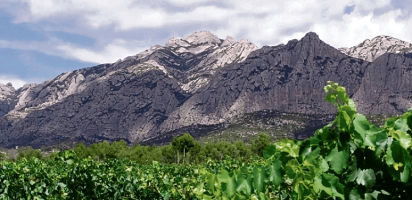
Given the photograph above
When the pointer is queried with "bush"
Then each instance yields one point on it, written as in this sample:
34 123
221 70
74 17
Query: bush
81 151
260 143
28 152
2 156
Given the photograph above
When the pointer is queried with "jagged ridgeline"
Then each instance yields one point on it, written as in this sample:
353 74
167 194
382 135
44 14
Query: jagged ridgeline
215 89
350 158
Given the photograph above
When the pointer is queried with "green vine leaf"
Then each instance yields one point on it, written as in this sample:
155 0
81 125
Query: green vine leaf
338 160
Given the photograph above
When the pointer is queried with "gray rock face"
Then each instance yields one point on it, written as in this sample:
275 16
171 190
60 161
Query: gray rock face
386 86
370 50
199 82
32 97
287 78
39 109
7 98
228 52
126 106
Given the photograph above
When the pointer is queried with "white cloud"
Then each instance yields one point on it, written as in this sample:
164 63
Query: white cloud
187 2
370 5
16 82
117 50
263 22
355 28
284 21
111 52
47 47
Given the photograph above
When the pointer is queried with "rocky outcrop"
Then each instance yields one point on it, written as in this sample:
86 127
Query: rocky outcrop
174 63
386 87
199 84
194 59
7 98
370 50
32 97
51 112
126 106
228 52
288 78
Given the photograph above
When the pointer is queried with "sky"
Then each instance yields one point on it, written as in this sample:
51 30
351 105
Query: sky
40 39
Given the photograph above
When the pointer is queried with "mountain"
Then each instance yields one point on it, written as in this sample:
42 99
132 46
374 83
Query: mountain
203 85
153 83
289 78
370 50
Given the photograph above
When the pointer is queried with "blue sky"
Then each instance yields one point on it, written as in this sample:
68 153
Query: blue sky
40 39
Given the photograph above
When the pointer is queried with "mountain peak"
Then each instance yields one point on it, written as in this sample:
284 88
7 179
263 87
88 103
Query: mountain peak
370 49
203 37
307 39
7 87
311 36
174 42
228 41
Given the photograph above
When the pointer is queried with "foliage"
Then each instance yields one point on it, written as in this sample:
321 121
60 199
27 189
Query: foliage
70 177
350 158
183 144
2 156
183 148
260 143
29 152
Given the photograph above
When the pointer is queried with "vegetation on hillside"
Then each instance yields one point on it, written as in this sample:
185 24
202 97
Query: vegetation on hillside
182 150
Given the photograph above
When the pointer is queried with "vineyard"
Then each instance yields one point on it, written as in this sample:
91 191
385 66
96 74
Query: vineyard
350 158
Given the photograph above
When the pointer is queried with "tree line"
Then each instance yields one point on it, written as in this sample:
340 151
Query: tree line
184 149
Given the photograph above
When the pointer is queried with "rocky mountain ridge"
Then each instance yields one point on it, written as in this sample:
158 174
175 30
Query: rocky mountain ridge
200 52
199 84
370 50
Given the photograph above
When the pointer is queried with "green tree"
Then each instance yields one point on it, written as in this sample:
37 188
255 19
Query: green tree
118 149
99 151
209 150
81 150
145 154
194 151
259 143
227 149
28 152
183 143
244 151
168 154
2 156
202 154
